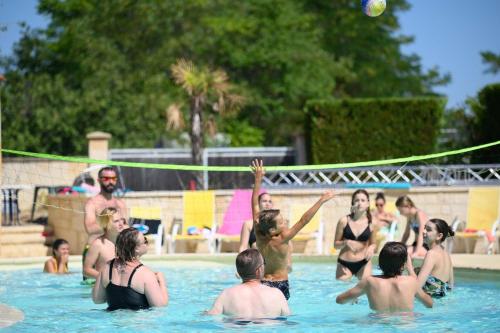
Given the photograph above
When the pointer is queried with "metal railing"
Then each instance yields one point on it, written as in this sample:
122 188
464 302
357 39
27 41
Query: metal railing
424 175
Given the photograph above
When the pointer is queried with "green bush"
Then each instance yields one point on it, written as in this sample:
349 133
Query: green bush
353 130
487 126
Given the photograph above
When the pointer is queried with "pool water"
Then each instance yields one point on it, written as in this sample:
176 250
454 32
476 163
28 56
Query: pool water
60 304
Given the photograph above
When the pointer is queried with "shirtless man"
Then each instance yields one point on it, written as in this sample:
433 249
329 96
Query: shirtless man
273 235
107 178
250 299
102 249
391 291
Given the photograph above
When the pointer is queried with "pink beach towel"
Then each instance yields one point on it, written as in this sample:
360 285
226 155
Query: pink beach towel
239 211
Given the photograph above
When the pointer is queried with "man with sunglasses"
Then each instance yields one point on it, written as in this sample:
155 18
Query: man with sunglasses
107 178
250 299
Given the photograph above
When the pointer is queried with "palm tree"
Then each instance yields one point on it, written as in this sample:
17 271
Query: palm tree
209 94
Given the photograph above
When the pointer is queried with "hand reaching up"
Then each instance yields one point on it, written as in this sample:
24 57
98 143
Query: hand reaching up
258 168
327 196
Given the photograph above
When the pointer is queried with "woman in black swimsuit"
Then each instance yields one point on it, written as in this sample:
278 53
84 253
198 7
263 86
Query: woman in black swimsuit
125 283
355 239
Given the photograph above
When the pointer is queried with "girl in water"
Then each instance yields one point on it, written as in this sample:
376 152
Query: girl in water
416 220
436 274
58 264
355 239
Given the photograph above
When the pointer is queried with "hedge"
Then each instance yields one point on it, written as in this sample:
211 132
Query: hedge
353 130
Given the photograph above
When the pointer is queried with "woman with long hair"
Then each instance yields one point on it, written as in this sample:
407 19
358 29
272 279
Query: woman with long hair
436 274
355 237
125 283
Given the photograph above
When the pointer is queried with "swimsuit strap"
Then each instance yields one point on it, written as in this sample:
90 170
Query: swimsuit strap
131 275
111 269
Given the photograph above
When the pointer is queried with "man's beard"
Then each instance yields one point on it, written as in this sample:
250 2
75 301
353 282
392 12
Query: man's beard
108 189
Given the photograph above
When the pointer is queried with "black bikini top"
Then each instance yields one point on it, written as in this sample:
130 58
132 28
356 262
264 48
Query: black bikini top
363 237
124 297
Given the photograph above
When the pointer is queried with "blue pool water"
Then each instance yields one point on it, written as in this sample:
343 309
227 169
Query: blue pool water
60 304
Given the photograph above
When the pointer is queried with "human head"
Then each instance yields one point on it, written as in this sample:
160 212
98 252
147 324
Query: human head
60 247
250 265
107 177
265 201
111 220
380 201
270 222
130 245
405 205
392 258
360 202
436 230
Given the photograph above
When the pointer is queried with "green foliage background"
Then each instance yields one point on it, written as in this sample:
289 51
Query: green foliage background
367 129
104 65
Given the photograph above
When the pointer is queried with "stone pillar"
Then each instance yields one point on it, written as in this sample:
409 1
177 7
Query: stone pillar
98 147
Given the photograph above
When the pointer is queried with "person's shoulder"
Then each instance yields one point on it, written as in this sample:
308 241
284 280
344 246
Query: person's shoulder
50 261
343 220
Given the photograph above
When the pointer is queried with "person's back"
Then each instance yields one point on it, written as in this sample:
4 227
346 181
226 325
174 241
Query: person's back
250 299
254 301
390 292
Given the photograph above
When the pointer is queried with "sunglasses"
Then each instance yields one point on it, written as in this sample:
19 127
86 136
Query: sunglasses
106 179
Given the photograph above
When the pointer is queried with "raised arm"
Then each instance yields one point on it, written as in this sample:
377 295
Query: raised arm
258 170
352 293
308 215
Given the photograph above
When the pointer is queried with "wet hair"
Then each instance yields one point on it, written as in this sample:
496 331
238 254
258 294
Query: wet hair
404 201
126 243
368 214
261 195
392 258
267 221
106 168
106 216
247 263
443 228
380 196
58 242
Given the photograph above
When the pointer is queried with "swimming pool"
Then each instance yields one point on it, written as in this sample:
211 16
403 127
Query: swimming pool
60 304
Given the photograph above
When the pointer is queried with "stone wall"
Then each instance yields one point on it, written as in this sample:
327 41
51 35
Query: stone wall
448 203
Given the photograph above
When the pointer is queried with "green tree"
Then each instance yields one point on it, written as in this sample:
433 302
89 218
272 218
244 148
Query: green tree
209 94
492 60
110 61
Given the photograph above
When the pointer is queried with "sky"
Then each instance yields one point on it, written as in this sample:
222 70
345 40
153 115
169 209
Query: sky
449 34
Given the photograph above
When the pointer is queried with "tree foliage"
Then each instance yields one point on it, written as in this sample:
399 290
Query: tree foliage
104 65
